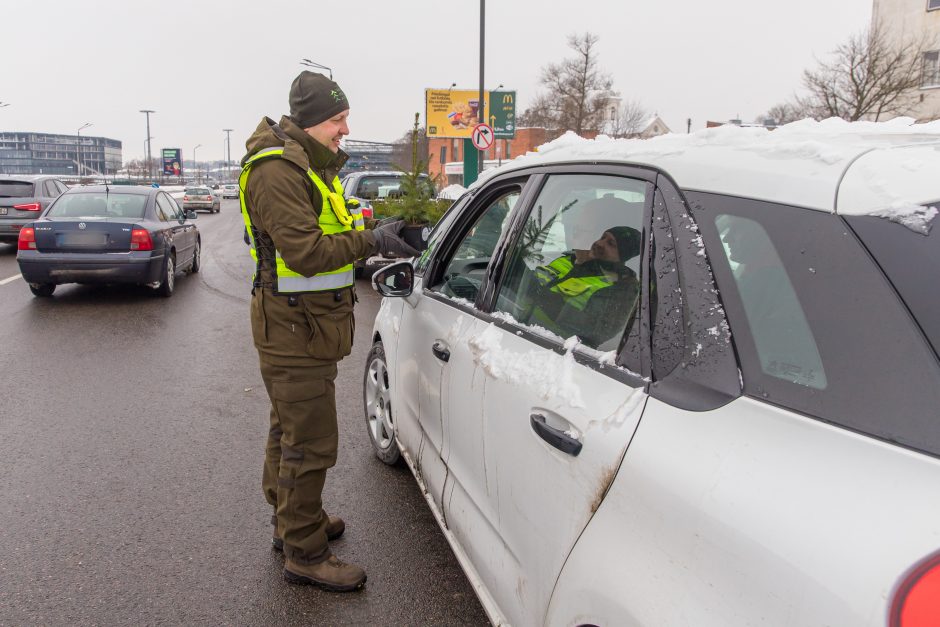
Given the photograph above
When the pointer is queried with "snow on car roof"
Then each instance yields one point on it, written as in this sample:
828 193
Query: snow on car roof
853 167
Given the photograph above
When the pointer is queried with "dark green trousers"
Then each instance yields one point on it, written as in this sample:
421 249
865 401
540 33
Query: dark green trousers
302 443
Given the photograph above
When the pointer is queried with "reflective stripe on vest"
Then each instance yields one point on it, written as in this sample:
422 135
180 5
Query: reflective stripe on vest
577 291
334 218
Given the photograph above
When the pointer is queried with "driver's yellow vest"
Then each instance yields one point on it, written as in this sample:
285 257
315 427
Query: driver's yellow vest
335 218
577 291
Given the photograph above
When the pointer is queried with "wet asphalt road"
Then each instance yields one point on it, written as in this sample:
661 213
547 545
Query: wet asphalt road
131 443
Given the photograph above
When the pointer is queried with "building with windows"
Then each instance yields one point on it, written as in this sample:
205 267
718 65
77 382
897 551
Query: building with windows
47 153
906 20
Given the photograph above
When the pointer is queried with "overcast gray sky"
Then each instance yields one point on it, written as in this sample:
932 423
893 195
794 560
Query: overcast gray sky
204 66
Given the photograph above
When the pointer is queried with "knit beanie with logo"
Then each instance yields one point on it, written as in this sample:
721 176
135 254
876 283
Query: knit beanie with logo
315 98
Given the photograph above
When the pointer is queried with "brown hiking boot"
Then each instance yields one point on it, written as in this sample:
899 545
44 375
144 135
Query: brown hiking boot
334 529
331 574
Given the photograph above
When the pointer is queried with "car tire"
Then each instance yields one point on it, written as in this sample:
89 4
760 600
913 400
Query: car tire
168 283
197 258
42 290
378 407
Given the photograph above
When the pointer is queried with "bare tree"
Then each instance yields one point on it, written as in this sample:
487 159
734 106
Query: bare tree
576 91
868 77
627 120
784 113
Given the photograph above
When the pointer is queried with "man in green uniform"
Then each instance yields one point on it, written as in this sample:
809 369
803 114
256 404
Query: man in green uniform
304 241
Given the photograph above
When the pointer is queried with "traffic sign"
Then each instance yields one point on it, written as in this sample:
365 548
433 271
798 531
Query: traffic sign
483 136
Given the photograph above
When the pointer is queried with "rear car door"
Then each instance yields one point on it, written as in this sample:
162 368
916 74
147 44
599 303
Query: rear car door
538 425
181 232
800 500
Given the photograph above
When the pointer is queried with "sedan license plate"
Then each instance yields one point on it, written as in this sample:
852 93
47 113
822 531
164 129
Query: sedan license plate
3 211
83 239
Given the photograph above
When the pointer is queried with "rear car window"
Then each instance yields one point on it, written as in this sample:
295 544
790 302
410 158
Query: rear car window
911 260
816 326
198 191
95 205
16 189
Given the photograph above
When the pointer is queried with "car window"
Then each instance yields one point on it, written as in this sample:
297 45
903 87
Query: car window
786 347
15 189
817 327
167 207
464 270
438 233
62 187
575 268
198 191
49 189
911 261
99 205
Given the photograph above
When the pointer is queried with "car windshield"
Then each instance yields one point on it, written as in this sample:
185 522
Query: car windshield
99 205
910 260
15 189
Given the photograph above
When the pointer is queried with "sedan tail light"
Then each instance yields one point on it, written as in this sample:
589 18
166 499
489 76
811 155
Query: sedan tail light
30 206
140 240
917 600
27 239
185 197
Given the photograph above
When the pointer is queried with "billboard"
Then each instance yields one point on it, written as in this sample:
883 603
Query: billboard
454 113
503 113
172 162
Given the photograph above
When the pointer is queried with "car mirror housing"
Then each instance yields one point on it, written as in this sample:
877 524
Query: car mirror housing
190 215
394 280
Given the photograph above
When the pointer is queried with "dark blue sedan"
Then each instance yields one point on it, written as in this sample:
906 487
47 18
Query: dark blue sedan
109 234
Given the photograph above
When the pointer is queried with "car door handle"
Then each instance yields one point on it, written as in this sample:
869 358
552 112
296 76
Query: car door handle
555 437
440 351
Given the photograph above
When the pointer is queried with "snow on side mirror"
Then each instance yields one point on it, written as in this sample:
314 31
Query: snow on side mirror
394 280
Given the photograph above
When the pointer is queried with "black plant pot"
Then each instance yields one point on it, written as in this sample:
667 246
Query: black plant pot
416 235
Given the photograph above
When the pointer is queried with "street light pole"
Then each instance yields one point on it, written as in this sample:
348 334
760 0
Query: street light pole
194 161
228 150
147 112
78 150
481 108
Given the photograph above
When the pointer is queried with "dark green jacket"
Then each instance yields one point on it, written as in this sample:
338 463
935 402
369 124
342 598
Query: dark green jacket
284 206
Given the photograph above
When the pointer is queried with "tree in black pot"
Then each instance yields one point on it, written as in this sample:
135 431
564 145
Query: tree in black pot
416 202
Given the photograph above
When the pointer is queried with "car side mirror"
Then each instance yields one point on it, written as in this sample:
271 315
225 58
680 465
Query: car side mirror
190 215
394 280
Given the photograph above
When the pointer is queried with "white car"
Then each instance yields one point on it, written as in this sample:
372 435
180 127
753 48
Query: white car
230 190
691 380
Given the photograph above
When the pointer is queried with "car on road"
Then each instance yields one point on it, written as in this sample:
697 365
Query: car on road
22 198
101 234
201 198
368 186
692 380
230 190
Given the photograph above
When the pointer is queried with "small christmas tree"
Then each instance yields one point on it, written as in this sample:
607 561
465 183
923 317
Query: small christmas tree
417 204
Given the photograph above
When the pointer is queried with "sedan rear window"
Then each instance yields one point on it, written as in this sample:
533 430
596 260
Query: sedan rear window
95 205
16 189
198 191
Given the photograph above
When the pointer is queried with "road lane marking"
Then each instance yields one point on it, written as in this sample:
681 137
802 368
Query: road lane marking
11 279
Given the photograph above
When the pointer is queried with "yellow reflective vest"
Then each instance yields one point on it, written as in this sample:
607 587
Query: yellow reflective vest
335 218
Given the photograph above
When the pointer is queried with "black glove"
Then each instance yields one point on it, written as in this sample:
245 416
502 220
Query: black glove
389 243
